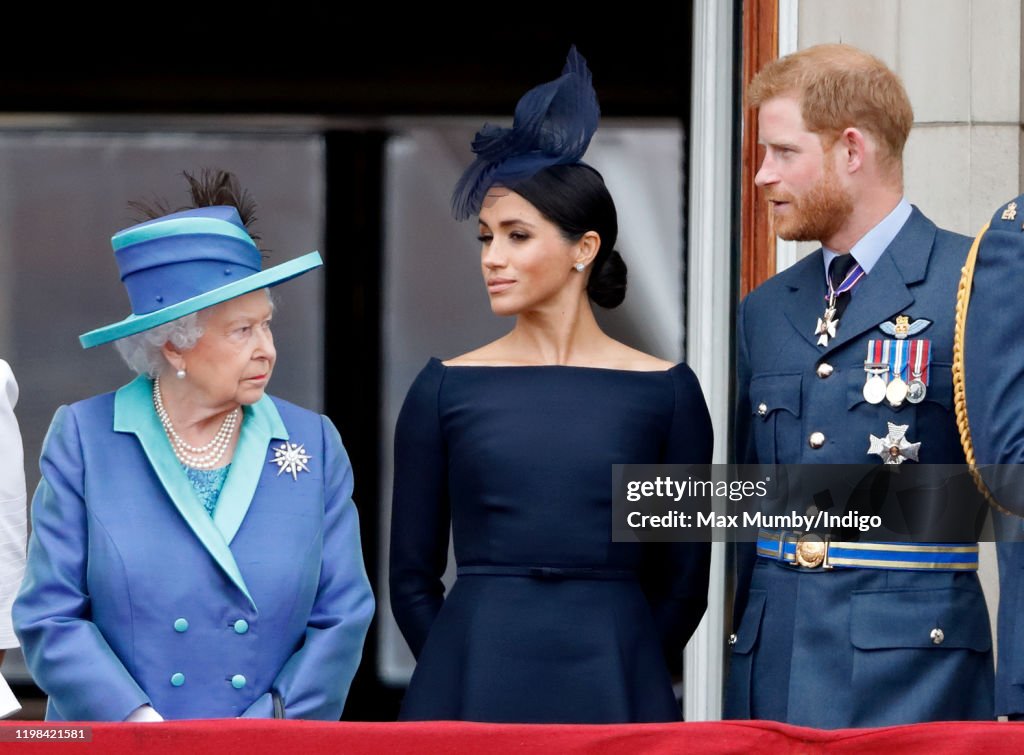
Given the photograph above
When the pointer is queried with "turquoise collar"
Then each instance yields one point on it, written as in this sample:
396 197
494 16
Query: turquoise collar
261 423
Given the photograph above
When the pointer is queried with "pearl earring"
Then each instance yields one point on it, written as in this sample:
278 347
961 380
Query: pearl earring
180 374
579 267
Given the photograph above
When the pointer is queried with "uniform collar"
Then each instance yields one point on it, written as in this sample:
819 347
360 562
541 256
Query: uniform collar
874 243
888 291
134 413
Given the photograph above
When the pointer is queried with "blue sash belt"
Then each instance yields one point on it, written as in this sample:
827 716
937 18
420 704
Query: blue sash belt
816 552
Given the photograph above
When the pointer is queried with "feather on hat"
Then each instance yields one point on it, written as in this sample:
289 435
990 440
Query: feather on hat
553 125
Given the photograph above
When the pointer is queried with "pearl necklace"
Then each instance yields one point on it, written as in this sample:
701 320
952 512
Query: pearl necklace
197 457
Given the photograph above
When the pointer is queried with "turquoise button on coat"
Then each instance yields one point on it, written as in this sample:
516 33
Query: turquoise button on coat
178 679
238 681
241 626
181 625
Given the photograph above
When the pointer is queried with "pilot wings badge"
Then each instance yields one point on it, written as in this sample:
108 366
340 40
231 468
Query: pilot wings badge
901 327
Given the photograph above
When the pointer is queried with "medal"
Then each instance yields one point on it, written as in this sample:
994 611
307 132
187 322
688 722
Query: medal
919 362
916 391
828 322
894 448
896 391
875 369
874 388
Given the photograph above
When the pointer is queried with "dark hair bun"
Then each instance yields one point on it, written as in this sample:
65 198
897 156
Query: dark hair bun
607 284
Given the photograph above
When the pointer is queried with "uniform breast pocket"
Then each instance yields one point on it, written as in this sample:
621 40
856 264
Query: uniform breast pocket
937 403
939 392
940 387
775 405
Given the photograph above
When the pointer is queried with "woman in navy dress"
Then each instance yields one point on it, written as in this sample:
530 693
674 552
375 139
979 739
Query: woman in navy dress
512 446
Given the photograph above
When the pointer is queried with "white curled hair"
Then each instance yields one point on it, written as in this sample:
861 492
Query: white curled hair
143 352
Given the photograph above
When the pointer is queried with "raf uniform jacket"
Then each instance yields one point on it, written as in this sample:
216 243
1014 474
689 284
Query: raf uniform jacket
994 392
134 595
852 646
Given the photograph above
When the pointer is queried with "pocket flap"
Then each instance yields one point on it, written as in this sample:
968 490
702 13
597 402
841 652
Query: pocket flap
750 625
770 393
953 618
940 384
940 387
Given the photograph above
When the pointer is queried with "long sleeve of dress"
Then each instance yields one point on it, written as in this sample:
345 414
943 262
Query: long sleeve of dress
745 553
13 524
743 437
420 511
676 574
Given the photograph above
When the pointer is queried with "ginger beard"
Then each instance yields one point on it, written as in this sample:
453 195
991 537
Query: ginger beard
817 215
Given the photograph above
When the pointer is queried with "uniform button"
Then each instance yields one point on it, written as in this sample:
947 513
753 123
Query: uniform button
824 370
238 681
181 625
241 626
816 440
937 636
732 640
762 409
178 679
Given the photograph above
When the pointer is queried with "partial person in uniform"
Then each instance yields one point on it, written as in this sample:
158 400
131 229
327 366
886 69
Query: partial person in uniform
989 374
13 524
512 445
845 359
195 549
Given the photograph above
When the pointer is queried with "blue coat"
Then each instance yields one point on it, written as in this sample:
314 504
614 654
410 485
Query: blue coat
852 647
134 595
994 387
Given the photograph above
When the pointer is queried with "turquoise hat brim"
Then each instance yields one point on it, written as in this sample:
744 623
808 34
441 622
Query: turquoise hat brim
137 323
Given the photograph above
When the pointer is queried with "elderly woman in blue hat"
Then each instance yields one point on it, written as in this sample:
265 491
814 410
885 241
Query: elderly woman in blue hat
195 549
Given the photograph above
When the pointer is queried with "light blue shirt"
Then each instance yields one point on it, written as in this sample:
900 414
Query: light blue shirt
872 244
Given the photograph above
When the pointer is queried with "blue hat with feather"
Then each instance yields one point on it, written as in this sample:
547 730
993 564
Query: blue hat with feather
186 261
553 125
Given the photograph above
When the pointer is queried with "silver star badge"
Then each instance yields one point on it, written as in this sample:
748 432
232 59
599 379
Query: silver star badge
291 458
894 448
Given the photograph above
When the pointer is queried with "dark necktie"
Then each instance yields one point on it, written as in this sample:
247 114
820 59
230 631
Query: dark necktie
838 269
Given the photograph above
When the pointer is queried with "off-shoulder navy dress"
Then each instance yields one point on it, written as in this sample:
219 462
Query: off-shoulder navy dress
549 620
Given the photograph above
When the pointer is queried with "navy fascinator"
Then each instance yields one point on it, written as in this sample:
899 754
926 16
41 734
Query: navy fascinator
553 125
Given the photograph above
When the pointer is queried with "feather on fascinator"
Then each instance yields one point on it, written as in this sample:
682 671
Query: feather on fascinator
553 125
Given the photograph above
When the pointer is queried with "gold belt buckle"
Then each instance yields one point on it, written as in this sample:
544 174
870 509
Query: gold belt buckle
811 552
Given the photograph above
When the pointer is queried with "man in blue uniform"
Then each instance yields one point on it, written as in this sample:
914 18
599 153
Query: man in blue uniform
992 374
845 359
